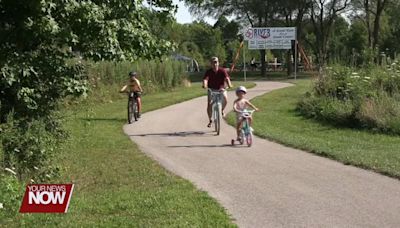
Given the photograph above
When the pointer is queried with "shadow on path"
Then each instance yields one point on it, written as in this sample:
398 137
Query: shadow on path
119 120
199 146
177 134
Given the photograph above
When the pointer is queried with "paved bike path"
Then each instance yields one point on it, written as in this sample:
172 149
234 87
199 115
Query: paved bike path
267 185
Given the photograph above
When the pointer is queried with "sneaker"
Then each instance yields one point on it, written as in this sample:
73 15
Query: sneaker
138 115
209 123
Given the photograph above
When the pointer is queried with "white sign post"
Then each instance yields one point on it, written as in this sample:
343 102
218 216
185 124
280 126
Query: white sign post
272 38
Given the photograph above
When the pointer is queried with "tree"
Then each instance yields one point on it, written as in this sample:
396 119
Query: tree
229 29
292 14
41 44
371 13
337 50
357 41
391 42
39 38
257 13
323 15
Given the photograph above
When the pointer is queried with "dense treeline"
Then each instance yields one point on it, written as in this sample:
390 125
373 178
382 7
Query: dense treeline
351 32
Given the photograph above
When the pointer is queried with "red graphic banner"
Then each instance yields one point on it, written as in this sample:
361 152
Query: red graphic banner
46 198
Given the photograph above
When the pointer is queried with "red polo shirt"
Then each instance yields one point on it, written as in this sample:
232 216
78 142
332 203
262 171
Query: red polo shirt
216 80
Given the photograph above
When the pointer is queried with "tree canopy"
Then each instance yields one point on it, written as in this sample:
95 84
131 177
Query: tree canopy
39 39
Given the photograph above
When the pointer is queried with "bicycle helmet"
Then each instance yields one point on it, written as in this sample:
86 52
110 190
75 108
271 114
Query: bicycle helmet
241 88
132 73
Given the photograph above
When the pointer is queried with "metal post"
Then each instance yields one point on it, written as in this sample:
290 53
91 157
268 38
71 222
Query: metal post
244 63
295 59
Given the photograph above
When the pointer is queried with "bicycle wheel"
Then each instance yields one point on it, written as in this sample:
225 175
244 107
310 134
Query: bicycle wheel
135 111
241 139
130 111
249 138
217 120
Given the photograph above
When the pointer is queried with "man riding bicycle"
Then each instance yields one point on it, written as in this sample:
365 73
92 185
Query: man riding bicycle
134 86
215 79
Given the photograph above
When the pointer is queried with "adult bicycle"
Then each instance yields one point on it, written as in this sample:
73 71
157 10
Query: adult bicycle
216 105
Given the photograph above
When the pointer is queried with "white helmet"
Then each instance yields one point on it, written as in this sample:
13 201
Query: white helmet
241 88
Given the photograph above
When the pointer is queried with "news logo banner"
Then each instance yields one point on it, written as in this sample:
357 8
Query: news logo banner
46 198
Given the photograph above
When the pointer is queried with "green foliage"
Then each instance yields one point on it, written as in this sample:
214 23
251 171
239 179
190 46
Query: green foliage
200 40
32 84
28 148
229 29
337 45
42 43
10 195
358 38
154 75
208 40
330 110
39 37
390 44
381 112
368 97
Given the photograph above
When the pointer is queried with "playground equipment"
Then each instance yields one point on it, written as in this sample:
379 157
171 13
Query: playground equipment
237 56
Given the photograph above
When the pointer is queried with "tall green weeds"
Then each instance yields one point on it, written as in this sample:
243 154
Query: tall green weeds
363 98
154 75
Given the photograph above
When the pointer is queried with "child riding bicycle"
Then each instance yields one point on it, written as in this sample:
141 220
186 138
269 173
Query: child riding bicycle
239 106
133 85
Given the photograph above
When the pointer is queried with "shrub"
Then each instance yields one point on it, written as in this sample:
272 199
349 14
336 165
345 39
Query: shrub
10 195
328 109
381 113
308 106
337 112
367 97
28 148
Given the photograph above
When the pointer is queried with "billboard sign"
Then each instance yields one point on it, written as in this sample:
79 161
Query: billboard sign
270 37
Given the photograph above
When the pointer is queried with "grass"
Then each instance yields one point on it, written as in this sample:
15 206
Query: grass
118 185
278 121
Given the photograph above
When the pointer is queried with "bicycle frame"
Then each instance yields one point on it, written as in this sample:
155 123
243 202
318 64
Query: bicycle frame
216 102
246 130
246 115
132 107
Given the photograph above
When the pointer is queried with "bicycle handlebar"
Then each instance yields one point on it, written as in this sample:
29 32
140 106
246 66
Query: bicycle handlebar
214 91
247 113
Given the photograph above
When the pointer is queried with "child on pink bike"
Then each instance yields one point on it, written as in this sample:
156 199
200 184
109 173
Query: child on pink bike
240 105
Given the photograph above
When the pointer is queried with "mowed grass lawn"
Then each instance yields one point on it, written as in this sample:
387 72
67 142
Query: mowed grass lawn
116 185
278 121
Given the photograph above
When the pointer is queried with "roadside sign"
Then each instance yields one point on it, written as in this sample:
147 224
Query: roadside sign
261 38
270 37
